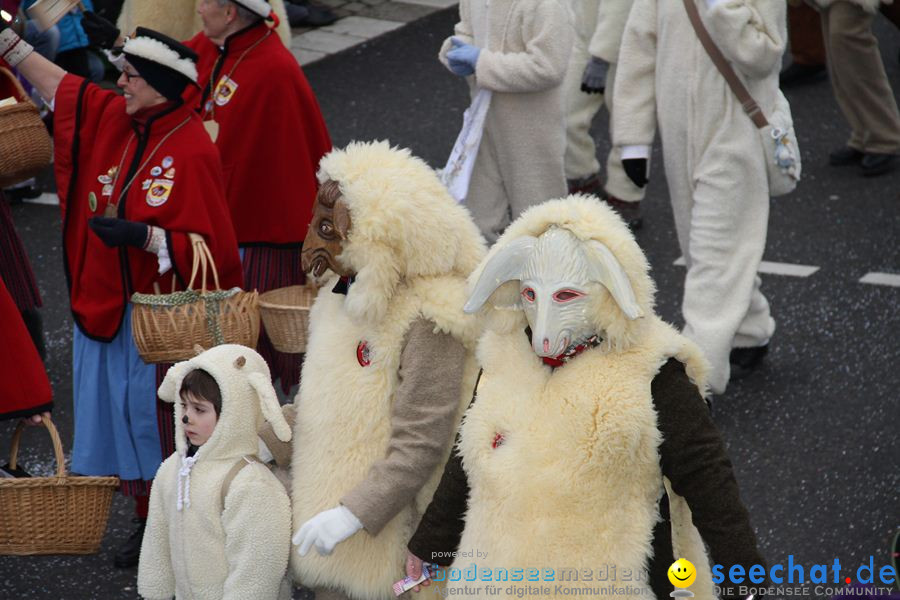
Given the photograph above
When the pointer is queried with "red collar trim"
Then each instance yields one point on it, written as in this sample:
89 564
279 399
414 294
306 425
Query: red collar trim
570 353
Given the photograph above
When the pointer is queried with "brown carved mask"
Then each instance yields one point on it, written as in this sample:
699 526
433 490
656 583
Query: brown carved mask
329 227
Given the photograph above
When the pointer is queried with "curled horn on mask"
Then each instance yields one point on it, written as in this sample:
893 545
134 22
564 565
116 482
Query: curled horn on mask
606 270
506 265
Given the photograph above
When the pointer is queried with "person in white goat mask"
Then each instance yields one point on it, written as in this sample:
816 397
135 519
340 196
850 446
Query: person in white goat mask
588 441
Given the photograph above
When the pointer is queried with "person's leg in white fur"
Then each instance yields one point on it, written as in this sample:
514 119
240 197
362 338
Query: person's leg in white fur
722 233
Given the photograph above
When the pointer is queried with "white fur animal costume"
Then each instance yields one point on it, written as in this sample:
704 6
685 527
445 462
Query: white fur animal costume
582 465
178 19
194 546
714 161
389 367
525 47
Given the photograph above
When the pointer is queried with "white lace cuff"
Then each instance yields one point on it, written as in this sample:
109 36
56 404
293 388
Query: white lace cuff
156 243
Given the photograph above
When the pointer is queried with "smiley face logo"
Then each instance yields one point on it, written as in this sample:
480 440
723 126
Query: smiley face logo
682 573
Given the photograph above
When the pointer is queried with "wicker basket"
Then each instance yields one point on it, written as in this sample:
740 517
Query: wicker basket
25 146
52 515
285 313
169 327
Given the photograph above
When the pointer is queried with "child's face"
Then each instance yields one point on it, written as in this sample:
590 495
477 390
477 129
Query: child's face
201 418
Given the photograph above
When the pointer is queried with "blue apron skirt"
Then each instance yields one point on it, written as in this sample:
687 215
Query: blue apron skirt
114 392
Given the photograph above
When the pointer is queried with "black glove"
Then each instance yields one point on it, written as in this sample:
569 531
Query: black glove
100 32
119 232
593 80
636 169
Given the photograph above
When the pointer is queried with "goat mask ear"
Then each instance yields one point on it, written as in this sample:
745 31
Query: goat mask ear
268 404
506 265
168 389
606 269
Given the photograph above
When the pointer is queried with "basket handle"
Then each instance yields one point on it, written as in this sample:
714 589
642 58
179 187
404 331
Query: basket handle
21 96
202 260
54 437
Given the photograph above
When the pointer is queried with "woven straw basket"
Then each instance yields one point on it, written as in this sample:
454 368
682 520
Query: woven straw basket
169 327
285 313
25 146
52 515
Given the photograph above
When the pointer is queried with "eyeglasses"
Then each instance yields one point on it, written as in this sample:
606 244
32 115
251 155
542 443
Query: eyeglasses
130 76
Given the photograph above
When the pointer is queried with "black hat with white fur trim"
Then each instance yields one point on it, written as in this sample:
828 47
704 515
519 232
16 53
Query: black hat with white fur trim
167 65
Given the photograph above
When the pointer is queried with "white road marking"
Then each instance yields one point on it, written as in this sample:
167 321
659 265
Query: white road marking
891 279
775 268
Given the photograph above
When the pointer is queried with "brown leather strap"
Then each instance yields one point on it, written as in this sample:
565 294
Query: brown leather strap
232 473
747 102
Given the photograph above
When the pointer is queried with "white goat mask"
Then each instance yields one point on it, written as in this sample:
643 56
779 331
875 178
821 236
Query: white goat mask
555 273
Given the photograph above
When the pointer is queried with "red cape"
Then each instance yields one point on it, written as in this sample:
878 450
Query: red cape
178 189
271 134
24 387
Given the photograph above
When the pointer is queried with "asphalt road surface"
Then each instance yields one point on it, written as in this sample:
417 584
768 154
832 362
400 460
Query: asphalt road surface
813 434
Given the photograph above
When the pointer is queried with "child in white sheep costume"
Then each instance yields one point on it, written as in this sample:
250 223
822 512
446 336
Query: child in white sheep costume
389 366
199 542
588 442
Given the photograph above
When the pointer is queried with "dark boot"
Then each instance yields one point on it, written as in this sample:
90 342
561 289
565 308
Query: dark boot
128 553
629 211
316 15
590 185
746 360
796 74
877 164
845 156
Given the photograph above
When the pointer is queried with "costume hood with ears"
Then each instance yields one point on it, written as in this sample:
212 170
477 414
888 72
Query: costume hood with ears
603 253
404 224
248 399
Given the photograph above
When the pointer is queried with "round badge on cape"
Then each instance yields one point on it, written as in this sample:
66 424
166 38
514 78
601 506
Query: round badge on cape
363 354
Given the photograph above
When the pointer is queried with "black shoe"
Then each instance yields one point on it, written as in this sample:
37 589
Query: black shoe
796 74
317 16
128 553
629 211
877 164
590 185
845 156
16 195
745 360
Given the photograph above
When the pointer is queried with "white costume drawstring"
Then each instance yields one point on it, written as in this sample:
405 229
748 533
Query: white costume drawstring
184 481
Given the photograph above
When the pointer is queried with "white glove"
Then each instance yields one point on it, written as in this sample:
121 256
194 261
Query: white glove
326 530
711 3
